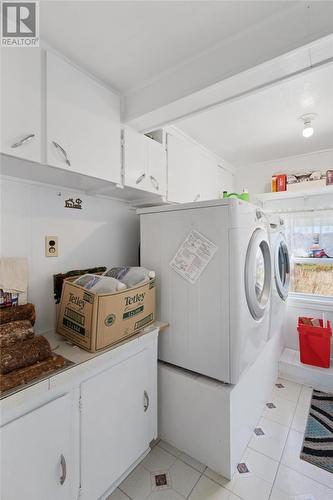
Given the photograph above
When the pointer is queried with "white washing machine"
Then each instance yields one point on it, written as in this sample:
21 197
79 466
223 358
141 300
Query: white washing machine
281 273
219 323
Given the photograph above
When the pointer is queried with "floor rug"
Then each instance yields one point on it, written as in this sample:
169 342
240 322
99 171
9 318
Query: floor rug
318 438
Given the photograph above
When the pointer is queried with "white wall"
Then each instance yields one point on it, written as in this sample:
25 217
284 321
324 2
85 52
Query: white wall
257 177
104 233
299 305
308 308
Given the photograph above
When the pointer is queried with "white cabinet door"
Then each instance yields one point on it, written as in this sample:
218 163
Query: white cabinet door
135 159
21 102
209 189
183 170
115 423
156 167
83 123
144 163
37 460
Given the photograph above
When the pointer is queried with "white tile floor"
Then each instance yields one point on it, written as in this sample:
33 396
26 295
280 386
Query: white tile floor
275 469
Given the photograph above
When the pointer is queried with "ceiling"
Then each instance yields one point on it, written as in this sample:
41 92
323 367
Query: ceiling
264 126
130 43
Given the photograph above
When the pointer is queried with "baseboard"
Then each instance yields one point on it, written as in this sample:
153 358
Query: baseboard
292 369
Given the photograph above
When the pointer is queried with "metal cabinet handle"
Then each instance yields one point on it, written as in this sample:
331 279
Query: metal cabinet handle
63 466
197 197
140 179
25 139
154 182
145 401
56 145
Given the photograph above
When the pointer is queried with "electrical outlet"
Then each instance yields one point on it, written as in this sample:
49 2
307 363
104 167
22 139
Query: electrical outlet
51 246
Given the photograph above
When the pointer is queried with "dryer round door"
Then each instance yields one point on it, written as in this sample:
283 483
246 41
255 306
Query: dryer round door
258 272
282 267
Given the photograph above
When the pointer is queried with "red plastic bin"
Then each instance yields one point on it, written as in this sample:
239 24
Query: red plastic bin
315 343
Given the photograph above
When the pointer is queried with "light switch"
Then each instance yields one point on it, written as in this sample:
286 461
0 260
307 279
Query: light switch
51 246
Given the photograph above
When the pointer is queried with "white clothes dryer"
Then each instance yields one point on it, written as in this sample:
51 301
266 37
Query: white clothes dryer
281 273
218 324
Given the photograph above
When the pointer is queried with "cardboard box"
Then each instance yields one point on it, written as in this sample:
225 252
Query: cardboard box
96 321
306 185
281 182
306 181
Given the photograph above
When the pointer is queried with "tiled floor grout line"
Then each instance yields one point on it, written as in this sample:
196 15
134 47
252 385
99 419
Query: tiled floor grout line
290 429
285 444
179 458
202 474
279 461
124 493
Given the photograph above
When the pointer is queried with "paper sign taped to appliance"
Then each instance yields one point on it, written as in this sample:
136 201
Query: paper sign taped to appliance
193 256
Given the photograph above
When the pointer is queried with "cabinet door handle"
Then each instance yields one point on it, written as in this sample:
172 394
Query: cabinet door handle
140 179
25 139
63 466
56 145
154 182
197 197
145 401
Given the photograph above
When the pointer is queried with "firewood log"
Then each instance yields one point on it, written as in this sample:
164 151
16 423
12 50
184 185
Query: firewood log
26 311
30 373
24 353
15 331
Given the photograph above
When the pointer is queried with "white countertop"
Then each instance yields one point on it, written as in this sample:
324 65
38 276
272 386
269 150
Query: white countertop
76 355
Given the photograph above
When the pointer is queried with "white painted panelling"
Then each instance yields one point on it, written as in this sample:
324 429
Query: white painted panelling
239 53
140 40
105 232
257 177
265 125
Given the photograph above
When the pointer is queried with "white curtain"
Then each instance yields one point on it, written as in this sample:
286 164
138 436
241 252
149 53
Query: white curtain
309 229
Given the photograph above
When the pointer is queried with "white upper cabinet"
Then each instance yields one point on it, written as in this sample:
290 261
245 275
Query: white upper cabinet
38 454
21 102
135 158
157 176
214 178
183 170
209 182
193 173
144 162
83 122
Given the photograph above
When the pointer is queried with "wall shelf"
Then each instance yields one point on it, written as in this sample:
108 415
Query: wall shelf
296 201
282 195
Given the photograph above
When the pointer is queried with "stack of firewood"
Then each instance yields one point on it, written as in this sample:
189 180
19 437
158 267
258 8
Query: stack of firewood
23 356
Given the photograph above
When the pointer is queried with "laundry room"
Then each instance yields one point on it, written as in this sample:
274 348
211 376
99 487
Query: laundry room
166 250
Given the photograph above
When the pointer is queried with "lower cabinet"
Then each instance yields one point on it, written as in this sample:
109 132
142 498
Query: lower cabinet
37 460
115 423
89 426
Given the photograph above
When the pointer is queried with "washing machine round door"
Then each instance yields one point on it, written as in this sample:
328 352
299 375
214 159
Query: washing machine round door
258 272
282 267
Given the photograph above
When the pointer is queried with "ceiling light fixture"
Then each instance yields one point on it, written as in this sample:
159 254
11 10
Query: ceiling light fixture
307 124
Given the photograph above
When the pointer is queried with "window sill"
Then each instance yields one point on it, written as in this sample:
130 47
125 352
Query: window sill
323 261
308 301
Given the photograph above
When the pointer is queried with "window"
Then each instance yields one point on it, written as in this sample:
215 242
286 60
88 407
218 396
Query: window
310 240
